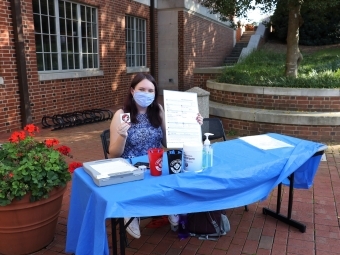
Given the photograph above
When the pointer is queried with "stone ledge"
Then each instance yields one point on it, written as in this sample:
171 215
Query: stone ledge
209 70
274 116
48 76
309 92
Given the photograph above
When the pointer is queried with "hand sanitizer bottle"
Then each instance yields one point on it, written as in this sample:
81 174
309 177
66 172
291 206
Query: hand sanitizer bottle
207 152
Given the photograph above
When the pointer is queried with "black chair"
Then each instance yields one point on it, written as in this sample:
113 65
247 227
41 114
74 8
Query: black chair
214 126
105 137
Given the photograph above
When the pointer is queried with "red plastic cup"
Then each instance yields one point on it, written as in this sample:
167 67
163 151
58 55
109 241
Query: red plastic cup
155 160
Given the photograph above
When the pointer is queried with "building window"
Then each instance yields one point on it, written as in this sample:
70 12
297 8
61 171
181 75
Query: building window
66 35
135 34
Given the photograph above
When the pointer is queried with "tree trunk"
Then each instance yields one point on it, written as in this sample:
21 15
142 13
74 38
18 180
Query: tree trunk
294 56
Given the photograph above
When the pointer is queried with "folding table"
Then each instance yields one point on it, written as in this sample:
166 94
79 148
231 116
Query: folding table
242 174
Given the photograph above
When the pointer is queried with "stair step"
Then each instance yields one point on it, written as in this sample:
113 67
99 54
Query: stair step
243 44
232 58
237 49
234 55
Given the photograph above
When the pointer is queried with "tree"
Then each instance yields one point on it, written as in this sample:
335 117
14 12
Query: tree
228 9
315 30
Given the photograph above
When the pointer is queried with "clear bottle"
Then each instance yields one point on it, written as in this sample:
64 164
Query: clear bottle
182 227
207 152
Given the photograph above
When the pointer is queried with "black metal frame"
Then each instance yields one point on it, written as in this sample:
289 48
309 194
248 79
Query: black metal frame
287 219
122 235
105 138
71 119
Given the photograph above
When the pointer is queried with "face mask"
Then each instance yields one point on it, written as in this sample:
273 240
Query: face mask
143 99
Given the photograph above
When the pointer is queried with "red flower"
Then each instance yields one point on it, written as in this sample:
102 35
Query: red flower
73 166
50 142
31 129
64 150
10 175
17 136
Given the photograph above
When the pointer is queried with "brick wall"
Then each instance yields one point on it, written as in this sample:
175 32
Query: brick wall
201 43
313 133
9 96
200 79
68 95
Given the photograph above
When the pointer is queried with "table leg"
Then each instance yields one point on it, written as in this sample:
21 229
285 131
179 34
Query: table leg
278 200
122 235
277 214
286 219
114 236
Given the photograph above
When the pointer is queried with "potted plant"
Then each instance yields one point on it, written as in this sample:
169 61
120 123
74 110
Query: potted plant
33 179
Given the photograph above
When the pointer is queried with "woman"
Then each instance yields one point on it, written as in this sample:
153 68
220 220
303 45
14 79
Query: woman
146 129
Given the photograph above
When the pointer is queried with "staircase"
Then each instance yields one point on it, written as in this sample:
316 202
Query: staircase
233 57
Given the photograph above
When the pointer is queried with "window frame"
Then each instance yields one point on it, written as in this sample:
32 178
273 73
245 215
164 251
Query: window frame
76 36
135 41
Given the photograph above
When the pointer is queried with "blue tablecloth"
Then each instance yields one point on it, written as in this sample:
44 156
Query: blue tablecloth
242 174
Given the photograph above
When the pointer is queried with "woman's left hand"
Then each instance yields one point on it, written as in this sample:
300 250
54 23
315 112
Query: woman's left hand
199 119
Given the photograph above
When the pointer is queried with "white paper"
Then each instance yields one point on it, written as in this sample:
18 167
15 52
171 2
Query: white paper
181 110
265 142
112 167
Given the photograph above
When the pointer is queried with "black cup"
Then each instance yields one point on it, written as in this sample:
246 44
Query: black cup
174 161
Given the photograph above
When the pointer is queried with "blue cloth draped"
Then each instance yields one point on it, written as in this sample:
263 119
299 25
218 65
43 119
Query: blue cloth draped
242 174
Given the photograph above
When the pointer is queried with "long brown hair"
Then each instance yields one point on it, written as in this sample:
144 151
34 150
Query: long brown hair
153 110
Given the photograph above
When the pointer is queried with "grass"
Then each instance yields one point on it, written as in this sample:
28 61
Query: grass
265 67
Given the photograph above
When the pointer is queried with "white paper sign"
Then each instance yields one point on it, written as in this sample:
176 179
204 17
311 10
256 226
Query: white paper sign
181 110
265 142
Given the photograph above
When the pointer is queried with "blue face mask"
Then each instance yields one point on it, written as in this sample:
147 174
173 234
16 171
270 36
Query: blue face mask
143 99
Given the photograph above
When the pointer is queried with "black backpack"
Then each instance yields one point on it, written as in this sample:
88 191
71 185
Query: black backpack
208 225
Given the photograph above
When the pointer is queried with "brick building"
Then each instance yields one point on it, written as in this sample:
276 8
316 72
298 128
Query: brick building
59 56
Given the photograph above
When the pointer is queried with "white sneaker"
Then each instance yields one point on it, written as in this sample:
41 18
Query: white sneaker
133 227
173 219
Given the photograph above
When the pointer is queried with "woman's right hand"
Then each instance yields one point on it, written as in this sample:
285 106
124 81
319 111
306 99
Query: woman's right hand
123 128
118 134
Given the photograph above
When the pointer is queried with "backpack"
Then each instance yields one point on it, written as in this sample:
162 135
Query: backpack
208 225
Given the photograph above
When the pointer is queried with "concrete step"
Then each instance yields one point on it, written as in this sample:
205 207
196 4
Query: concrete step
241 44
230 62
249 32
231 58
239 47
234 55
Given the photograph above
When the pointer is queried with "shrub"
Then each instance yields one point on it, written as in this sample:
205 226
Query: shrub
267 68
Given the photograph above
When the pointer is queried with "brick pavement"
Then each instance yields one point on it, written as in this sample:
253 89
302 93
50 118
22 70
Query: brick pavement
251 232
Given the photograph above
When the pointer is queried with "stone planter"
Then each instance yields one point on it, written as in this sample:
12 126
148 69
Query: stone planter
27 227
307 113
